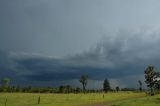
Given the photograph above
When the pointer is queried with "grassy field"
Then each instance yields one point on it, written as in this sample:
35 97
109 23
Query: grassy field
145 101
30 99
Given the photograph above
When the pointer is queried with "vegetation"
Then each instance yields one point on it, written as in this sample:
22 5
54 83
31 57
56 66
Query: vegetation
106 85
150 76
5 84
140 85
152 79
117 88
83 80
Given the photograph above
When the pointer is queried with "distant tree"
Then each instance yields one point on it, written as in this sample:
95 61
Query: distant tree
61 89
106 85
65 89
68 89
78 90
5 83
150 78
83 81
117 88
18 89
12 89
128 89
140 85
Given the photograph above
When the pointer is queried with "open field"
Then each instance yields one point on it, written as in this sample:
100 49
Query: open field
145 101
30 99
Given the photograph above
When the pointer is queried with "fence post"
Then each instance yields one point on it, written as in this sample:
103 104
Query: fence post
39 100
6 102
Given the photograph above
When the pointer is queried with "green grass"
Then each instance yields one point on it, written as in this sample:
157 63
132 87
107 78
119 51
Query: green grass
145 101
30 99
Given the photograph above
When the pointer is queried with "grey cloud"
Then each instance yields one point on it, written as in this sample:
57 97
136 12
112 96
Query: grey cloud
118 58
60 27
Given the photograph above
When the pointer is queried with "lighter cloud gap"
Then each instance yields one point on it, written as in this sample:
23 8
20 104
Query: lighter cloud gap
30 55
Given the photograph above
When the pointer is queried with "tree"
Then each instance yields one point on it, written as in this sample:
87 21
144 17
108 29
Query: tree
106 85
83 81
5 83
117 88
157 80
140 85
157 85
150 76
68 89
78 90
62 89
18 89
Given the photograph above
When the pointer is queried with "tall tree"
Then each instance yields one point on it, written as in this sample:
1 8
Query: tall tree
83 81
140 85
150 76
106 85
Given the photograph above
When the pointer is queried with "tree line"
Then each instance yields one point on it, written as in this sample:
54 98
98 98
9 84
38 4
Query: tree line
152 79
6 87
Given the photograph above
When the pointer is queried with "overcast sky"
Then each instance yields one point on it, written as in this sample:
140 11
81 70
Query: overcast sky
53 42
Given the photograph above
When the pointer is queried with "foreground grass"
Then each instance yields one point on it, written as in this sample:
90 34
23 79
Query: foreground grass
145 101
30 99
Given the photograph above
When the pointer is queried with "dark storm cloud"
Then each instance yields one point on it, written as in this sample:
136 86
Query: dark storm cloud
5 67
120 57
4 60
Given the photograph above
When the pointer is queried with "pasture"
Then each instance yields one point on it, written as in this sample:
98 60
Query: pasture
145 101
31 99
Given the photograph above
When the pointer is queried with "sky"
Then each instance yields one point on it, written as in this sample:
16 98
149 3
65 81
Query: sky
54 42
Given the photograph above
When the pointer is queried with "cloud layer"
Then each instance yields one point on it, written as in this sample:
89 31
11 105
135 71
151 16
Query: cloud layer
122 58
